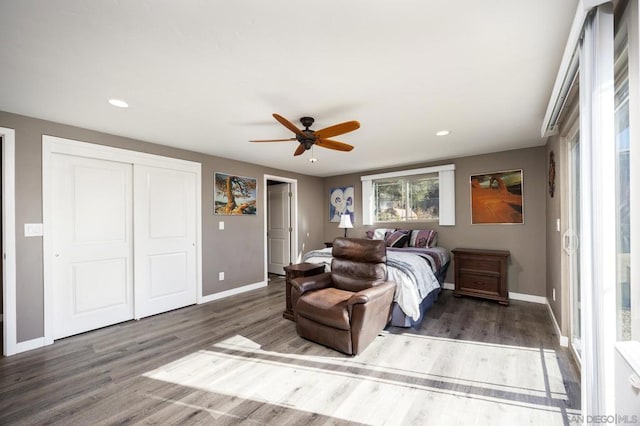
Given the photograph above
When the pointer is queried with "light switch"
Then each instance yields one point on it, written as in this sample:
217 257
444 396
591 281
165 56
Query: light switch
221 225
558 224
33 230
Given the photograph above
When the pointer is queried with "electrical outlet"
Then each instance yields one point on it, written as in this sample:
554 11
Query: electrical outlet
553 294
221 278
33 230
221 225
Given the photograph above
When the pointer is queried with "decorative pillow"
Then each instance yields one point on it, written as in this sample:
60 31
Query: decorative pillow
397 238
379 233
423 238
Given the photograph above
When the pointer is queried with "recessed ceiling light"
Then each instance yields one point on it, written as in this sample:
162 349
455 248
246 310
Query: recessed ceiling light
118 103
443 133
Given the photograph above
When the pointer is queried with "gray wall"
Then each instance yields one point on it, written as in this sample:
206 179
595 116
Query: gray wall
238 250
527 266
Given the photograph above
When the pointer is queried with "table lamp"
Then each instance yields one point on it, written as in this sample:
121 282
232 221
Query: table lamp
345 222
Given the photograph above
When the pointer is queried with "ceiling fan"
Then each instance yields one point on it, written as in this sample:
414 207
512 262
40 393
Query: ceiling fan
307 137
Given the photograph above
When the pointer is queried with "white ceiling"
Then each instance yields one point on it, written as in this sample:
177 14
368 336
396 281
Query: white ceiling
207 75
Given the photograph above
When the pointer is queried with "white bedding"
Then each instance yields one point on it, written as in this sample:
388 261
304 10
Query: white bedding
412 274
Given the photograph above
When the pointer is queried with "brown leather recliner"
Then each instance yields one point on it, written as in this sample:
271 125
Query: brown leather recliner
346 308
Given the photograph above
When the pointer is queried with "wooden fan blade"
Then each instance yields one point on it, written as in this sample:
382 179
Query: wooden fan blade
339 146
275 140
289 125
338 129
299 150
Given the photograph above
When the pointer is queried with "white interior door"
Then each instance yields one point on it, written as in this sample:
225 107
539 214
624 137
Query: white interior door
165 239
91 227
278 228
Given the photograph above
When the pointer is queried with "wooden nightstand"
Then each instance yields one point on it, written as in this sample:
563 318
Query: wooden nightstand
294 271
481 273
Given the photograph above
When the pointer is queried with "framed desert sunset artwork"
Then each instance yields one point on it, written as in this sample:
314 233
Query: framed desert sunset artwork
496 198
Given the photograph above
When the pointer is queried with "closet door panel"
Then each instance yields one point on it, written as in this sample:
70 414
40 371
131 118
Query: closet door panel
91 228
165 239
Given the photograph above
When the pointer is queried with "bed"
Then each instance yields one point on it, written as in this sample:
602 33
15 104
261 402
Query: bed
419 273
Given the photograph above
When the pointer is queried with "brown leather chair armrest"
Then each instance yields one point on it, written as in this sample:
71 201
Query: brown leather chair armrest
302 285
372 293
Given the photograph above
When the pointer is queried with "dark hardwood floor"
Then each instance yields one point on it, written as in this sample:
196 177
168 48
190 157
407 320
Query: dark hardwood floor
237 361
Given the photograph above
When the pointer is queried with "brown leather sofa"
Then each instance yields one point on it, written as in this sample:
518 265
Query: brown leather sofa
346 308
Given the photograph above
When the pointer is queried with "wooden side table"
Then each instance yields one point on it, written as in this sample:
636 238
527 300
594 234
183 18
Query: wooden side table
305 269
481 273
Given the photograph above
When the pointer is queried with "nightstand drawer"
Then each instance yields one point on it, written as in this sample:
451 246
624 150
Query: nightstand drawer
477 282
479 264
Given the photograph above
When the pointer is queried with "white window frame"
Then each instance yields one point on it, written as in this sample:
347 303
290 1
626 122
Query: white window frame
446 182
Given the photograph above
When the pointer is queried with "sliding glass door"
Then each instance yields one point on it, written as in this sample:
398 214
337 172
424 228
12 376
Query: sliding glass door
572 241
623 229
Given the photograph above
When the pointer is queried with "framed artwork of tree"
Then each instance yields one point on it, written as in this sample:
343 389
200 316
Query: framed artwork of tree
234 195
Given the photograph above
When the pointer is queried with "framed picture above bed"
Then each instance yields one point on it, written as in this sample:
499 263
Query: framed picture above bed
234 195
496 198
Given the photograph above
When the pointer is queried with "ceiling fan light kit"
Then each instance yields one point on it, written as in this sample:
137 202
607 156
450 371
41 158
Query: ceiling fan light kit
307 138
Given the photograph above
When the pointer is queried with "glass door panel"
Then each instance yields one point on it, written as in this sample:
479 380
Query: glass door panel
571 243
623 187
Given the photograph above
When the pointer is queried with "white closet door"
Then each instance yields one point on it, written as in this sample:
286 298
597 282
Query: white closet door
91 230
165 239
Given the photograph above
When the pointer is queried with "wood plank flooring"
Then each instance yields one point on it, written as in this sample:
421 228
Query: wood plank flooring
237 361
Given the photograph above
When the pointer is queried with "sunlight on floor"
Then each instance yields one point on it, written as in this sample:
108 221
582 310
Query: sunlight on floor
399 379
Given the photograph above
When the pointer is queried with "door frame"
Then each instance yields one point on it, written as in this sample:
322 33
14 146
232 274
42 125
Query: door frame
295 256
9 320
55 145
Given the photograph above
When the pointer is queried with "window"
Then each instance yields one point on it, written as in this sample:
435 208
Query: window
414 198
418 195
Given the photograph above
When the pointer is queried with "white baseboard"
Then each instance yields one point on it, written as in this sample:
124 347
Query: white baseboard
449 286
563 340
215 296
528 298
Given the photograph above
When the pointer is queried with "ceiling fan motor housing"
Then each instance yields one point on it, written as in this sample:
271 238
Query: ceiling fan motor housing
308 139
